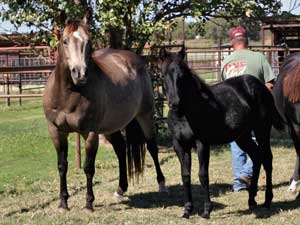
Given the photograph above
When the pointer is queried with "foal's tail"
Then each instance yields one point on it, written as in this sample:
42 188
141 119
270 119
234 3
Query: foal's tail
136 150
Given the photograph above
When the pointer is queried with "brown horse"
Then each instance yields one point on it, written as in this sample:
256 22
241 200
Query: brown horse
99 93
287 99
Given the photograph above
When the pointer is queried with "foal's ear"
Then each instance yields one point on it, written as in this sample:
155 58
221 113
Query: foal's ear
163 53
181 53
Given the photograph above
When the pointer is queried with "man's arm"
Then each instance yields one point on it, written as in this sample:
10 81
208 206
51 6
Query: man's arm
269 76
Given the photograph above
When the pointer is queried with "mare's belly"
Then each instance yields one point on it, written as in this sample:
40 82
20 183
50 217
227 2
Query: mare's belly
117 116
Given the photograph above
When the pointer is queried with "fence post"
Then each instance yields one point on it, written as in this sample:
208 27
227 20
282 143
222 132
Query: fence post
77 151
7 91
20 89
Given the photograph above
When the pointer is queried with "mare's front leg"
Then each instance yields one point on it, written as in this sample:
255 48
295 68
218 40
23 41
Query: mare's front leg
91 147
203 153
119 145
184 156
60 141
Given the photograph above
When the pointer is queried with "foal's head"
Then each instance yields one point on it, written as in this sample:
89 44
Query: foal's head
172 66
76 49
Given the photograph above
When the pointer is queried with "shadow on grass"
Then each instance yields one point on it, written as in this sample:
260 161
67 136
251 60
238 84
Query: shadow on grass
276 208
45 204
175 197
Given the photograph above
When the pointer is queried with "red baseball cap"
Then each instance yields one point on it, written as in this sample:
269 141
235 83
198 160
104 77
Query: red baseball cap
237 32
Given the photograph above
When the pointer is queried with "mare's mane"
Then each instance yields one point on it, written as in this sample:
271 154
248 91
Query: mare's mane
73 25
290 69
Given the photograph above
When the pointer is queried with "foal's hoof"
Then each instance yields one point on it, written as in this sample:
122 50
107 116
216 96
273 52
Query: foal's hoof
162 187
294 187
252 204
205 215
186 215
267 205
119 194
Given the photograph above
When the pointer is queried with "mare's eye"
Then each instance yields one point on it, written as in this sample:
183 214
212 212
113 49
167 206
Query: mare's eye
65 41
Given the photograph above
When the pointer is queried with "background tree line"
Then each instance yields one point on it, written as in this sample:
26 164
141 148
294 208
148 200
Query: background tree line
131 24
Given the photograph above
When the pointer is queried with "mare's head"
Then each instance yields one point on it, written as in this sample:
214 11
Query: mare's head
173 67
75 49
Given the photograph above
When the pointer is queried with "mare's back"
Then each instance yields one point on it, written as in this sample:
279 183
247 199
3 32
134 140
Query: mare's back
286 89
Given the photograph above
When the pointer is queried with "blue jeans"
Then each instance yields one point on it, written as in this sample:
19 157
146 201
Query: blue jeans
241 166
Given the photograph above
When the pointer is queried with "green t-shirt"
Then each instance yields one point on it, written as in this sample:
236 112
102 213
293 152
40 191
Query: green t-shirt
247 62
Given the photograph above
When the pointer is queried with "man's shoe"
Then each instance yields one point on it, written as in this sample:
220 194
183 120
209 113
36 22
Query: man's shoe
245 180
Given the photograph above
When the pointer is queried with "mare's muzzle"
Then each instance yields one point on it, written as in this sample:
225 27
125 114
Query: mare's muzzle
79 75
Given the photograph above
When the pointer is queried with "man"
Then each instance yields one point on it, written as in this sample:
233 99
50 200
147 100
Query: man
244 61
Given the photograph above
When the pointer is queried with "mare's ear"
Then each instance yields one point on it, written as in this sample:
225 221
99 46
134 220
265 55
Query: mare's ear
163 54
85 19
181 53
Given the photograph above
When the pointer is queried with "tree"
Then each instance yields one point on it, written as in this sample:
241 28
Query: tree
130 24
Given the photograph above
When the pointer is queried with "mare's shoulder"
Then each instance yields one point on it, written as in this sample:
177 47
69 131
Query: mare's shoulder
118 65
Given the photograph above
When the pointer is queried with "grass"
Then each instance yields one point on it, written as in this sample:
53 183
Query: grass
29 183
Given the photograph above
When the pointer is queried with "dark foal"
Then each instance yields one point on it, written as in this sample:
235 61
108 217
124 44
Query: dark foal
99 93
287 100
200 116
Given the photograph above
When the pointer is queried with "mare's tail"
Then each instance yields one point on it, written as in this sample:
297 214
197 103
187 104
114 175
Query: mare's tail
277 121
135 141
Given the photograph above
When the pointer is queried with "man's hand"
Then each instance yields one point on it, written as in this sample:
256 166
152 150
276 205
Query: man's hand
270 86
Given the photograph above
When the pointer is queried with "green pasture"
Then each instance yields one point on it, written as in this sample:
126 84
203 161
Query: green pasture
29 183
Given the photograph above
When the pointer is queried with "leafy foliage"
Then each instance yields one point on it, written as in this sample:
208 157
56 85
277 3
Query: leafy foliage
130 24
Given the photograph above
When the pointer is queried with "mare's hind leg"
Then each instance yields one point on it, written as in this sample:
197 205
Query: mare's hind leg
262 135
147 124
247 144
60 142
203 153
119 145
295 133
91 147
184 155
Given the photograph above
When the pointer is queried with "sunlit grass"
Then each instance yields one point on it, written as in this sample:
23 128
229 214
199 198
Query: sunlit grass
29 183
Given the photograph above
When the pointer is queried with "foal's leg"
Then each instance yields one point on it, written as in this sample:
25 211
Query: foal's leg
295 133
91 147
184 156
119 145
262 135
60 142
247 144
147 124
203 153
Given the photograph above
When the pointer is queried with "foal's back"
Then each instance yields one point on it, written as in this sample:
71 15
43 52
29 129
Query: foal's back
230 108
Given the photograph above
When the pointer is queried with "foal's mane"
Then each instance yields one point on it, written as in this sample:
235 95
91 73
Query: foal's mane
200 83
290 69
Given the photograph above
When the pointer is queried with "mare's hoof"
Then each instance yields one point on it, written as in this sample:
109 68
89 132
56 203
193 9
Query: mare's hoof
88 209
205 215
186 216
63 210
63 207
119 193
294 187
162 187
